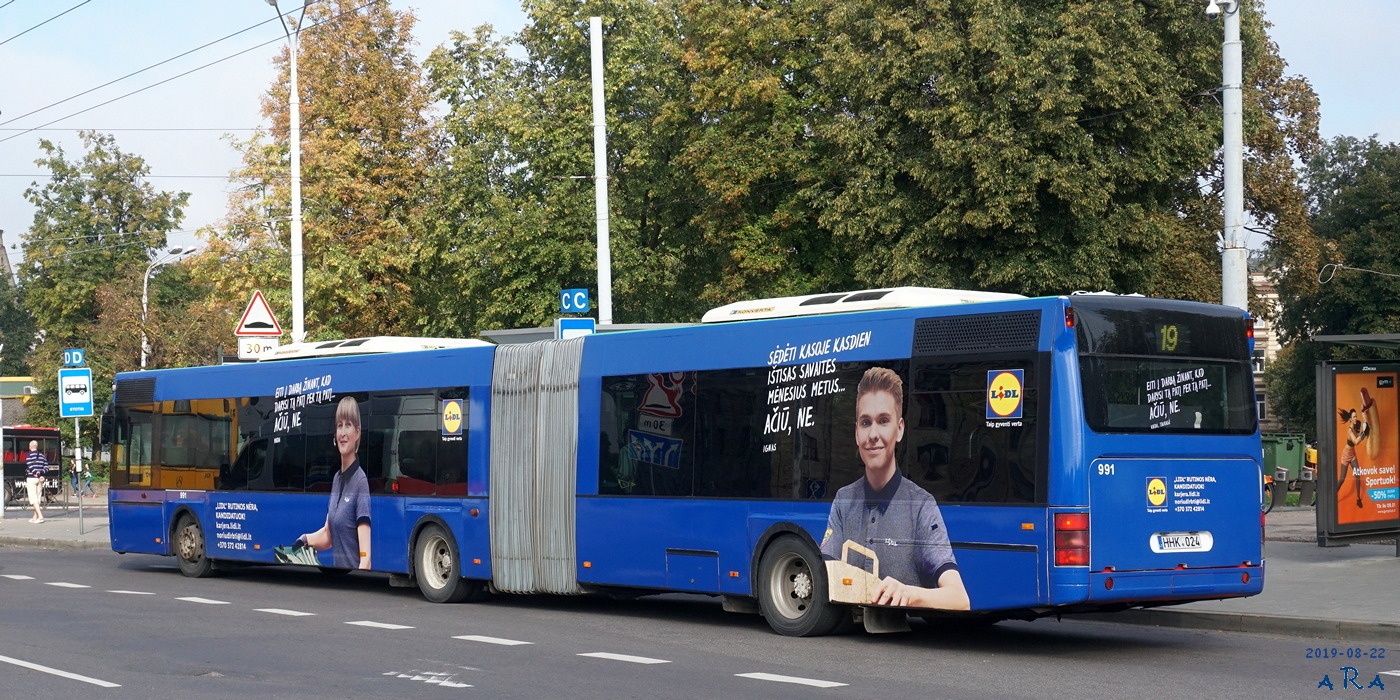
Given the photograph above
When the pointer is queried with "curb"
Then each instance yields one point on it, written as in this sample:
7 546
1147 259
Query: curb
1254 623
51 543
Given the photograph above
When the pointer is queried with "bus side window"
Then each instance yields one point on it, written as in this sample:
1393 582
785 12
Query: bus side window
248 468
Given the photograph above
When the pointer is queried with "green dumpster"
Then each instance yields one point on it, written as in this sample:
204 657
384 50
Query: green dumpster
1284 451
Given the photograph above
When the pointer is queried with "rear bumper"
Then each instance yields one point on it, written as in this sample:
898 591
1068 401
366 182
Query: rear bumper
1175 584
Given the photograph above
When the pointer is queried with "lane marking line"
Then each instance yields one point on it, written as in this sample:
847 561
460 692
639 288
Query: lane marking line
19 577
132 592
380 625
280 611
65 584
625 657
205 601
790 679
491 640
1391 673
62 674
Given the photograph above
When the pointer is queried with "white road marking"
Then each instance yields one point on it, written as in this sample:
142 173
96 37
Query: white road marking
380 625
19 577
440 679
279 611
62 674
1391 673
132 592
790 679
491 640
625 657
65 584
205 601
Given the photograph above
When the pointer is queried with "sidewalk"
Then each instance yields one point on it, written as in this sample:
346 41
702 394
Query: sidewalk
1342 593
60 529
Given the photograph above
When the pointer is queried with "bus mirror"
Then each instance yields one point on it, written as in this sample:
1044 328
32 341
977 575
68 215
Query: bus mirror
107 432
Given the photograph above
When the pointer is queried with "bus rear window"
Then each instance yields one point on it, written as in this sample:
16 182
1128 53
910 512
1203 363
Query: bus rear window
1130 395
1149 365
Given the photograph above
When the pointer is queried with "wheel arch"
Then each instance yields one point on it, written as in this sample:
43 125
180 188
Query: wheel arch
174 524
418 528
773 532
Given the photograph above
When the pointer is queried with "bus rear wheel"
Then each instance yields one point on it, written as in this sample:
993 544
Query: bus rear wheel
189 548
438 568
792 591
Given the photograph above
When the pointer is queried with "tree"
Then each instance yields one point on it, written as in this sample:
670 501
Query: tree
365 146
96 223
16 328
519 203
1352 186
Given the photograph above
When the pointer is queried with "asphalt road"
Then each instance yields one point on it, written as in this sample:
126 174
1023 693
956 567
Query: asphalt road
96 624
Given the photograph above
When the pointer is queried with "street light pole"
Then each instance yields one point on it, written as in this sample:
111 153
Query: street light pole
1234 262
146 296
294 135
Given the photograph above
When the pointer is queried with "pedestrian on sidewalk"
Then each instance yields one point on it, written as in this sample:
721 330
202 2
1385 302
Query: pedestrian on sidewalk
37 469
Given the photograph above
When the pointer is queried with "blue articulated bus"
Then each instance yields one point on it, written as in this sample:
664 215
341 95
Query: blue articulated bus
821 460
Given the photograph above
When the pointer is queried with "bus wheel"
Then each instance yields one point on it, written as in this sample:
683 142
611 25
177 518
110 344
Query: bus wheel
9 493
189 548
437 568
792 590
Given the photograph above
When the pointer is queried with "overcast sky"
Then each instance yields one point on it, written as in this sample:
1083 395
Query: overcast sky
1348 49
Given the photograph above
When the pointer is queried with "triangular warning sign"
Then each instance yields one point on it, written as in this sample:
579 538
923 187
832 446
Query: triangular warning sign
258 319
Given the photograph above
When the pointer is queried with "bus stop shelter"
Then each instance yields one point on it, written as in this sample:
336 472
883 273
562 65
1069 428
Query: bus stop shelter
1358 412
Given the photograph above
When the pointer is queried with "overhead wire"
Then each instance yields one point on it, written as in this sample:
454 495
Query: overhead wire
352 10
84 2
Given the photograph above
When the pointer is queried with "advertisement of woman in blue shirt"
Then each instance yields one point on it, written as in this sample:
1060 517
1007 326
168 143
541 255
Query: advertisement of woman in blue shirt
891 515
346 531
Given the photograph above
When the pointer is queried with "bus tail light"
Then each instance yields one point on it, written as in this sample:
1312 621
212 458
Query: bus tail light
1249 329
1071 539
1069 318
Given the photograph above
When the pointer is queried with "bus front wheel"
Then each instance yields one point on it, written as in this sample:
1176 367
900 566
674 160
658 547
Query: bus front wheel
792 591
438 569
189 548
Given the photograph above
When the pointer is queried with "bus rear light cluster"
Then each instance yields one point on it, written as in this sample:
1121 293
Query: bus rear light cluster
1071 539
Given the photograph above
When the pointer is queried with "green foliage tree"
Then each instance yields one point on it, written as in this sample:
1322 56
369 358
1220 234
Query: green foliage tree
519 203
365 145
1352 186
16 328
96 222
780 148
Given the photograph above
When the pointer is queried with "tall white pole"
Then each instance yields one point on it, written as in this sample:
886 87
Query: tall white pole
600 173
1234 264
294 130
77 470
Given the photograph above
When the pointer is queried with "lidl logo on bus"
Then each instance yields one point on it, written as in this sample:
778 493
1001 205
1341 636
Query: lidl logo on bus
1004 393
452 417
1156 492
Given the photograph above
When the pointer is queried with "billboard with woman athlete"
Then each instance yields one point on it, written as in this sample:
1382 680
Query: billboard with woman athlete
1359 469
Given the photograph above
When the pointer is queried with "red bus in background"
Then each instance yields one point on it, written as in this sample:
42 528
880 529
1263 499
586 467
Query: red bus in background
15 448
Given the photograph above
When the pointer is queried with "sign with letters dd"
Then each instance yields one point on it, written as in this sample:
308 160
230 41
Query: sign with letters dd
75 392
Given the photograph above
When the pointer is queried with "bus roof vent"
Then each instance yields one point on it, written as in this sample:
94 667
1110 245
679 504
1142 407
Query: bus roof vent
367 346
864 300
135 392
974 333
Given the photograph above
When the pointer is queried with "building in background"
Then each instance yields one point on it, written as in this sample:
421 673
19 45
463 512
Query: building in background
16 393
1264 305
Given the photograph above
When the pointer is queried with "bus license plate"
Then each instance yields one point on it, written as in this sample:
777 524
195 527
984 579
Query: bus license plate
1182 542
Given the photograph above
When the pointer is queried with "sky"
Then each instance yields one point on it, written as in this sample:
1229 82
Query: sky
1346 48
